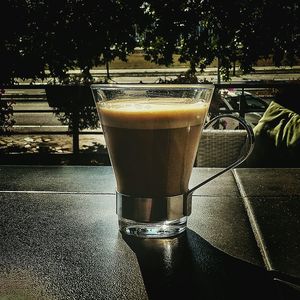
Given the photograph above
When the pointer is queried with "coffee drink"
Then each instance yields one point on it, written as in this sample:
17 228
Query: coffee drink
152 143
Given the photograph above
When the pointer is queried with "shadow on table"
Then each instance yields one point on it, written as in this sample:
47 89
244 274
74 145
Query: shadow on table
188 267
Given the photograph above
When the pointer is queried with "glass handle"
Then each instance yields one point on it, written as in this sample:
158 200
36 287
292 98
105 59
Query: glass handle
242 158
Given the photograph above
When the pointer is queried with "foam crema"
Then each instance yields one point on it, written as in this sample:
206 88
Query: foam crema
152 114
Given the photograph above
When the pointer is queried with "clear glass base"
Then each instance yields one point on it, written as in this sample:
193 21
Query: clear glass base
162 229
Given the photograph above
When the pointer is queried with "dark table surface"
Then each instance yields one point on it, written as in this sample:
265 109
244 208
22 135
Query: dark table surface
59 238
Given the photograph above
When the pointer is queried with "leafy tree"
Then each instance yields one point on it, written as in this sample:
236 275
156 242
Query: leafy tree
64 35
68 34
83 34
269 29
199 31
162 30
17 52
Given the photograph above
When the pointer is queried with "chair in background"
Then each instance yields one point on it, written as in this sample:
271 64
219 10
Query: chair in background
220 148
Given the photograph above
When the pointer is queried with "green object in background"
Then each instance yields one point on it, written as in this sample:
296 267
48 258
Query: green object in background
277 142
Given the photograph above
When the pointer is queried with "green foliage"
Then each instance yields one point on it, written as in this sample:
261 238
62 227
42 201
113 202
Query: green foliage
82 34
243 31
271 28
58 36
62 35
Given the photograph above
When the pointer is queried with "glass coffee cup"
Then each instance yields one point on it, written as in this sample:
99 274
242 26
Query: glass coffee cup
152 133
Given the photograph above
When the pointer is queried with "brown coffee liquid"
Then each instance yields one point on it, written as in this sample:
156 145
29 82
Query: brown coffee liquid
152 146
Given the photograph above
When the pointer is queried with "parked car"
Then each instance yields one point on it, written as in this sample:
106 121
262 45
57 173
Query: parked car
230 102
